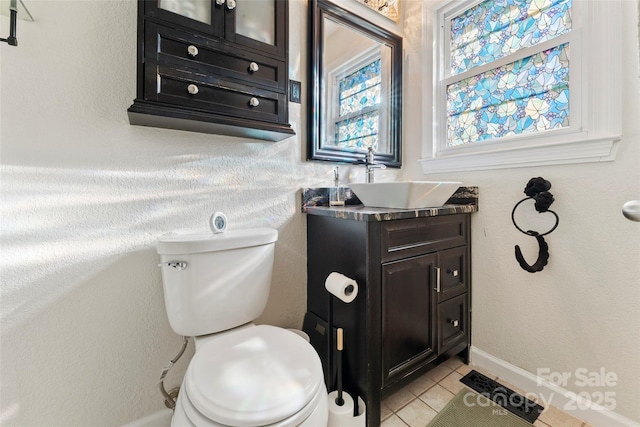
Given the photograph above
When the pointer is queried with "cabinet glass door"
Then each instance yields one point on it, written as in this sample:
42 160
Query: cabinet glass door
200 10
257 24
256 19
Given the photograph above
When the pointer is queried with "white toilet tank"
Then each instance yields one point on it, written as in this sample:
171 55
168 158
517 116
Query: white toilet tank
215 282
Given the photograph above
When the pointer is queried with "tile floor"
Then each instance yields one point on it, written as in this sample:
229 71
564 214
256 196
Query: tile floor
419 402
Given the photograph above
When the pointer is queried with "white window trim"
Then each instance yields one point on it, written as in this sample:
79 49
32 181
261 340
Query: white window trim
595 129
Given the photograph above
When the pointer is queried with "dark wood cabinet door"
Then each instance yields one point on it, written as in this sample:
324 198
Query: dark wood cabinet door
407 326
261 26
203 16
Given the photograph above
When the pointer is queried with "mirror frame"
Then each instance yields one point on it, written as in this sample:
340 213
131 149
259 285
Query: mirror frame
318 10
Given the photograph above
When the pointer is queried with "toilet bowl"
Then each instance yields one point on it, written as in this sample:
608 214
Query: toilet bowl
242 374
255 376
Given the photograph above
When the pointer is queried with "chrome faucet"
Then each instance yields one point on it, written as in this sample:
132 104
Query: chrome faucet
371 165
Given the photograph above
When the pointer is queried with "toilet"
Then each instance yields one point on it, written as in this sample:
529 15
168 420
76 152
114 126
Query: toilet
242 374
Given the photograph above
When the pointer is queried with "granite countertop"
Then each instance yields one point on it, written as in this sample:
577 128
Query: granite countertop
315 202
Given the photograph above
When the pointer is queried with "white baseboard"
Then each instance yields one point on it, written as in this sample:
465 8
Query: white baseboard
542 389
161 418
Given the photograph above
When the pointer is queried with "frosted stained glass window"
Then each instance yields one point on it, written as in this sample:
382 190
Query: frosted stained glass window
497 28
518 95
359 132
359 99
528 95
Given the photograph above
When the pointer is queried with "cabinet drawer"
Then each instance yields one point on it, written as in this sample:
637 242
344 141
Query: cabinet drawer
171 86
411 237
453 323
213 57
453 274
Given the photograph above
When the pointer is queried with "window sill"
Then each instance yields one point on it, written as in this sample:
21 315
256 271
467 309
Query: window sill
582 151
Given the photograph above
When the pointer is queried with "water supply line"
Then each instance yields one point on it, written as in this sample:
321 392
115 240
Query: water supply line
171 396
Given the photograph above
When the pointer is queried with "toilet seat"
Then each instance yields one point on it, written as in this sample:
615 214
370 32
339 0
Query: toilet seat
257 376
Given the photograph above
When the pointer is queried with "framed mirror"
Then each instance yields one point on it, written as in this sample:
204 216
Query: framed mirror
355 88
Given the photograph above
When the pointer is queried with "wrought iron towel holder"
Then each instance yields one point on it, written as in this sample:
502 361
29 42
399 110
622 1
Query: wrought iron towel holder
537 189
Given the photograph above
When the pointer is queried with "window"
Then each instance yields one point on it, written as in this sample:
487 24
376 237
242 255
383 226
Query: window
357 119
357 108
512 84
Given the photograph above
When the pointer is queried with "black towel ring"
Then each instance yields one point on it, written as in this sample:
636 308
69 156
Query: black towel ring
537 189
529 232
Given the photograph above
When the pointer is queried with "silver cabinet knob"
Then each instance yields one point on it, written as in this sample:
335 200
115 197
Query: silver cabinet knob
192 51
454 323
231 4
454 273
219 2
193 89
253 102
253 67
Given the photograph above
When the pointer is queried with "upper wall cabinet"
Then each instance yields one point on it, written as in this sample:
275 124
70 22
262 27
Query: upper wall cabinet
213 66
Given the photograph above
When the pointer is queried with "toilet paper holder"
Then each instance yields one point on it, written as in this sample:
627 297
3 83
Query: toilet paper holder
342 287
344 410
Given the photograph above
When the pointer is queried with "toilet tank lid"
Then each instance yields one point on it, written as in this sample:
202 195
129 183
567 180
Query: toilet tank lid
175 244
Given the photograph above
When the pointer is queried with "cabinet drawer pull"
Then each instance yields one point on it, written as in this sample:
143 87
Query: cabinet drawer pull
192 51
454 323
193 89
454 273
253 102
231 4
253 67
437 288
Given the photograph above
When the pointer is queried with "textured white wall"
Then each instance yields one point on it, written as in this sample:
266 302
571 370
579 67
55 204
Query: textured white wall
84 197
581 311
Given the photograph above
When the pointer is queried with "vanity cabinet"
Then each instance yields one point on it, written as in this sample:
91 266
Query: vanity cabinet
213 66
413 303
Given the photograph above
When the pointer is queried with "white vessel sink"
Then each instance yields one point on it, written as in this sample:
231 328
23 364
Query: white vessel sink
405 194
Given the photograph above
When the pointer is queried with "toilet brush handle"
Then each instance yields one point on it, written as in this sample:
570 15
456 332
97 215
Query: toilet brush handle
339 346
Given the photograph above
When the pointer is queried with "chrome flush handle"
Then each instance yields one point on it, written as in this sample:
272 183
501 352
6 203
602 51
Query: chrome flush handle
178 265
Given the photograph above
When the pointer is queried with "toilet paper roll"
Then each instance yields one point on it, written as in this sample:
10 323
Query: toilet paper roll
341 286
342 416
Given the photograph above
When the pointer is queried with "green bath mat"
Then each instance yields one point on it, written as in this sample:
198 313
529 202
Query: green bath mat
470 409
